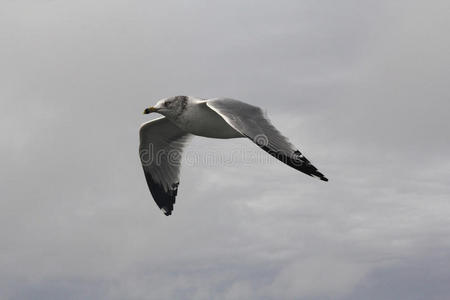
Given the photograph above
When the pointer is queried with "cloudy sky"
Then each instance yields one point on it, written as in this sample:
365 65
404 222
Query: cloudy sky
362 87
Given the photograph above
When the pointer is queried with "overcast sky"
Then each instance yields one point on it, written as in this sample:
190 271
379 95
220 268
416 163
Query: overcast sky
361 87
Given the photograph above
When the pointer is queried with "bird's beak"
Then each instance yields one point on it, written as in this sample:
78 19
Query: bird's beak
150 110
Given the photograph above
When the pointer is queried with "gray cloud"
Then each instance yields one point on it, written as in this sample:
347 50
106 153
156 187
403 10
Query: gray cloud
360 87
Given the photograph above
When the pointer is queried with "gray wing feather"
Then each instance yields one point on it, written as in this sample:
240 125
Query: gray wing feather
160 149
250 121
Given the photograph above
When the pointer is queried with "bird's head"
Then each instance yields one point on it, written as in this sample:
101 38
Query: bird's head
170 107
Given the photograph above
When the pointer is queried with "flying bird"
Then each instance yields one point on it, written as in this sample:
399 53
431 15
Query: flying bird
162 139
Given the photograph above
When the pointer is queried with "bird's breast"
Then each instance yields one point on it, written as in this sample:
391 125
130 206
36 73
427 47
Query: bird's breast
201 120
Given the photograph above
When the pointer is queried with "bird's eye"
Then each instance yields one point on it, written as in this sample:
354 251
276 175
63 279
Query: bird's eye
166 104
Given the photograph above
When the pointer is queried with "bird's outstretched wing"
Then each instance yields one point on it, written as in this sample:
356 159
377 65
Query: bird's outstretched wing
161 145
251 122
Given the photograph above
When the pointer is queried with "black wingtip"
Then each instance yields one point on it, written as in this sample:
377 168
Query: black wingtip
318 175
167 210
164 199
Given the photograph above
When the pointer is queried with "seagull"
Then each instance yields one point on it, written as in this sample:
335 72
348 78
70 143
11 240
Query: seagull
162 139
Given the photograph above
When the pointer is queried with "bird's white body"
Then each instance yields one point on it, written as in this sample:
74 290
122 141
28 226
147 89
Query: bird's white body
199 119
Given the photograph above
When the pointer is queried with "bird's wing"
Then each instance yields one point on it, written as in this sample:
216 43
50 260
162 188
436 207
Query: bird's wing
161 145
251 122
